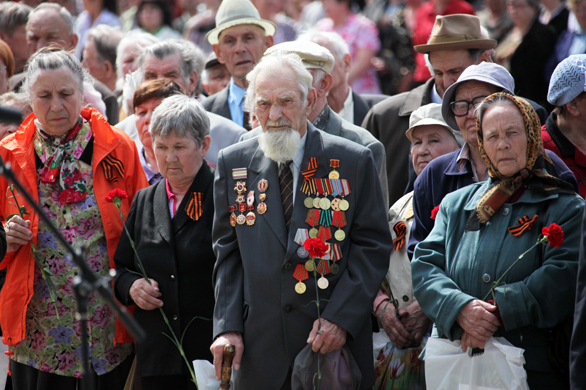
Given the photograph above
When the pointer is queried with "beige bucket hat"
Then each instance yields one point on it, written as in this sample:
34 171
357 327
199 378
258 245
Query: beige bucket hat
236 12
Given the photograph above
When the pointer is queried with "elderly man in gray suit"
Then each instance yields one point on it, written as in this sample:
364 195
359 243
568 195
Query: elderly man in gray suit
263 297
319 61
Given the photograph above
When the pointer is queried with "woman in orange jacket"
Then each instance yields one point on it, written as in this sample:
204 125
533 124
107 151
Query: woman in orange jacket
68 158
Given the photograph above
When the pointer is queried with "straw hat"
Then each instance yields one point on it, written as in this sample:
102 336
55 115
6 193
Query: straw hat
455 32
234 13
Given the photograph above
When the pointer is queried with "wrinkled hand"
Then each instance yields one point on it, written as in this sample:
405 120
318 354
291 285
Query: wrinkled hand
17 233
471 341
217 348
145 295
477 319
393 326
416 322
332 338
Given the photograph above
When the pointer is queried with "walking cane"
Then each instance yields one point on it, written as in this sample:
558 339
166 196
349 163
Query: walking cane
227 357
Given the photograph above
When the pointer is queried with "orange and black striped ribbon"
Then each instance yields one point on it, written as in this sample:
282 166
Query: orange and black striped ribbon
523 224
111 165
194 207
309 184
400 230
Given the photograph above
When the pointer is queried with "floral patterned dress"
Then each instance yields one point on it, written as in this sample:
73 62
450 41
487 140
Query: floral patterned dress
53 344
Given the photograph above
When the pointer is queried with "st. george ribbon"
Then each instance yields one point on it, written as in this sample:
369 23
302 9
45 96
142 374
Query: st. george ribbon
83 284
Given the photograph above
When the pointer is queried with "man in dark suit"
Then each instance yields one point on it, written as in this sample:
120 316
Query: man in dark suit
263 297
341 99
319 61
239 41
455 43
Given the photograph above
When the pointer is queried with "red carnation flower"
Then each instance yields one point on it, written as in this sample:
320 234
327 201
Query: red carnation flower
434 212
316 247
554 234
116 193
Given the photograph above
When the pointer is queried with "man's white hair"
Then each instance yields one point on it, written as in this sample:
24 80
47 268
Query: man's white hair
273 65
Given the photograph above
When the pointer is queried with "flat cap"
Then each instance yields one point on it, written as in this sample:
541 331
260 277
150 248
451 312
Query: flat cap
312 55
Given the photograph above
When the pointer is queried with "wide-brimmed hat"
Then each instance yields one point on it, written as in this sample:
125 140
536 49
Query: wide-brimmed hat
430 114
485 72
236 12
312 55
455 32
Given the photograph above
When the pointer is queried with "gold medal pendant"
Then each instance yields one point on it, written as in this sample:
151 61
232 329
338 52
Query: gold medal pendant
308 202
309 265
334 175
250 219
323 283
316 202
344 205
334 268
324 203
313 233
233 219
340 235
262 197
261 208
335 204
300 287
241 219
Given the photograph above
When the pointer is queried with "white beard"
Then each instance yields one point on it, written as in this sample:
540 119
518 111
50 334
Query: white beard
280 145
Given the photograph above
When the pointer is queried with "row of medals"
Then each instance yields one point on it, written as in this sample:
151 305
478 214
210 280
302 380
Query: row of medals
324 204
261 208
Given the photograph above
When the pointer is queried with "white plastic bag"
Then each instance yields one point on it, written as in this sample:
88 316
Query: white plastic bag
205 375
447 367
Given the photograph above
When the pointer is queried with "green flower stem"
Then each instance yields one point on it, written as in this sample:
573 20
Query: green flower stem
173 339
44 273
498 282
318 321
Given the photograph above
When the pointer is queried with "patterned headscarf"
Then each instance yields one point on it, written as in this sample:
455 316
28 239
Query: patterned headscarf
532 177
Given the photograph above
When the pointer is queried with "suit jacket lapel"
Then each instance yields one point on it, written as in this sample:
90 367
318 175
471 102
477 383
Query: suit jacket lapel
261 167
162 215
334 125
360 108
200 184
313 148
221 106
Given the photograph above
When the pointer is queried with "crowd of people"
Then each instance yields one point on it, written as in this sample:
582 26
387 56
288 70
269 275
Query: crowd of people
329 186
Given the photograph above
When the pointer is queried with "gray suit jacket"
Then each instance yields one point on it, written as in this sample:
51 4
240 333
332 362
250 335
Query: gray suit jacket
363 103
388 121
218 103
342 128
253 277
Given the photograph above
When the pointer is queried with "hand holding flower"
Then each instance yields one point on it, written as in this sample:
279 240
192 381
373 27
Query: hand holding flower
17 233
330 337
145 294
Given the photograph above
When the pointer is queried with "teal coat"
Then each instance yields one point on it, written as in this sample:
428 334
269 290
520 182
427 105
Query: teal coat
454 266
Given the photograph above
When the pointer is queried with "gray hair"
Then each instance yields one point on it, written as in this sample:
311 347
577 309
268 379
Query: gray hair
273 65
50 59
137 40
106 38
318 76
182 116
12 16
192 58
332 40
67 18
500 100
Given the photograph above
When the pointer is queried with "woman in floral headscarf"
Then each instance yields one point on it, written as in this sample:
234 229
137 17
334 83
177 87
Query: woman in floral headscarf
479 232
68 158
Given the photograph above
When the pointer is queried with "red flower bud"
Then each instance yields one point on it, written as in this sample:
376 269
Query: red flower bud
554 234
116 193
316 247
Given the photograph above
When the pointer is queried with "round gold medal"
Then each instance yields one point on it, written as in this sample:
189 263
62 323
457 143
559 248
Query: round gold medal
313 233
335 204
233 219
261 208
309 265
250 219
241 219
300 288
344 205
324 203
262 197
316 202
340 235
334 268
334 175
323 283
308 202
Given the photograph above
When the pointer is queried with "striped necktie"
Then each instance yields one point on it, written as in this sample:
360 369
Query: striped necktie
286 185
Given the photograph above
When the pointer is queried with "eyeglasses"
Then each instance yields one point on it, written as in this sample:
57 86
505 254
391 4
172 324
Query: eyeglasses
461 107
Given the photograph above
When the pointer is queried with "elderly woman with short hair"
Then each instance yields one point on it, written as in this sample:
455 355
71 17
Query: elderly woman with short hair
479 232
171 224
68 158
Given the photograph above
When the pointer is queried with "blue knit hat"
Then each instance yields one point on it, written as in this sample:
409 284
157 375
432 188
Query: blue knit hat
568 80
